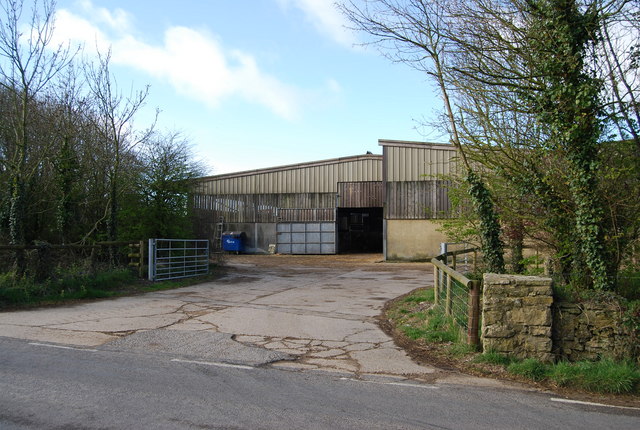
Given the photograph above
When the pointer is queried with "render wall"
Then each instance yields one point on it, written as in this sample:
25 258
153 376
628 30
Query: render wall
412 239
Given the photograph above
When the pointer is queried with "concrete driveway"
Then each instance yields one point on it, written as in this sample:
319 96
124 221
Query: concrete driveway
299 313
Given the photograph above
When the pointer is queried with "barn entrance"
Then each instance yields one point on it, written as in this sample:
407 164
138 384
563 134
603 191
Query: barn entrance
359 230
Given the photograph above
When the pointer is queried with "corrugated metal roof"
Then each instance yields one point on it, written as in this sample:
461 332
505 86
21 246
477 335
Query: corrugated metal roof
295 166
311 177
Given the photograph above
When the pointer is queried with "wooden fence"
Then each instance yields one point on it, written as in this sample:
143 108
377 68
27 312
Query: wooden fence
455 289
135 254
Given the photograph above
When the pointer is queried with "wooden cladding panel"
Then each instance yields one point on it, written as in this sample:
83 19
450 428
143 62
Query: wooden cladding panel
259 207
361 194
418 200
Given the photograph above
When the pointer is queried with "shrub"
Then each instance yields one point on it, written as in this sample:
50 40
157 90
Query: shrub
17 290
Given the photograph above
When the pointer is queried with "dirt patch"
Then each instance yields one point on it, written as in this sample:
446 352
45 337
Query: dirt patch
364 262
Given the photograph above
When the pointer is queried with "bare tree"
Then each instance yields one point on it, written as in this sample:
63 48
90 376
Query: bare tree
416 33
522 85
28 65
113 114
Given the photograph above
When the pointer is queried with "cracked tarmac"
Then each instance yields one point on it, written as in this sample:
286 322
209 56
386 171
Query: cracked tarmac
318 315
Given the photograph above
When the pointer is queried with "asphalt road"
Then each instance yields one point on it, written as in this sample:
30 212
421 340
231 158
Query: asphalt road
45 386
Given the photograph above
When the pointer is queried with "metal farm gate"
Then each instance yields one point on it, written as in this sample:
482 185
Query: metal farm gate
177 258
306 238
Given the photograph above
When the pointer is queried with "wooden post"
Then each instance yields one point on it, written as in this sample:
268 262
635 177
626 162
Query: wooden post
92 261
453 261
436 284
474 314
447 306
141 264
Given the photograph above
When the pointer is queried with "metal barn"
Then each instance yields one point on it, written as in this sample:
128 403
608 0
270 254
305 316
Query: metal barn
366 203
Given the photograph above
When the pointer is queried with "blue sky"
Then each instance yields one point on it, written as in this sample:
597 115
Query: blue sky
255 83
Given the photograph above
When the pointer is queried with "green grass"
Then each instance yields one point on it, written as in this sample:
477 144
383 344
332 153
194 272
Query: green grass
492 357
604 376
75 285
416 319
529 368
419 296
22 290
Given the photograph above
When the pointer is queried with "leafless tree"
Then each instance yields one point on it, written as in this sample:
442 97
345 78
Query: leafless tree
113 114
28 63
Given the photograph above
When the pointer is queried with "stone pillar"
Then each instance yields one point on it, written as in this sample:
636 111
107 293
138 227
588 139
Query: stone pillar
516 316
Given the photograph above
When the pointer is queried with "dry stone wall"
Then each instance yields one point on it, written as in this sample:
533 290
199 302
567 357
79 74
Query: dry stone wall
516 316
587 331
520 318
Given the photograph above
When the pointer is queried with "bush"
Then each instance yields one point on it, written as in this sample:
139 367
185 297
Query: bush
18 290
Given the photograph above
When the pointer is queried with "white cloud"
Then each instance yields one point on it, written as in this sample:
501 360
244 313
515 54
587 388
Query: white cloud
327 19
72 28
192 61
119 19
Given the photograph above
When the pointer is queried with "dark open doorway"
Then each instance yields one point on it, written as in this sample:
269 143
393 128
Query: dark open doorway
359 230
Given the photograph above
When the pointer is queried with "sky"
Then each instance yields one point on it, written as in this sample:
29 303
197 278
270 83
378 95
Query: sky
255 83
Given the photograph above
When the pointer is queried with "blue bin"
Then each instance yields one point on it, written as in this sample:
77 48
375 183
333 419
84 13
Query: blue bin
233 241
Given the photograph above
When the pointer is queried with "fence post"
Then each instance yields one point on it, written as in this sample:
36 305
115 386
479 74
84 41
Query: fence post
453 261
92 260
152 254
141 262
447 306
474 314
436 284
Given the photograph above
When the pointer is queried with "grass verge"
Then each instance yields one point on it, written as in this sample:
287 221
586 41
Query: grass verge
427 334
23 292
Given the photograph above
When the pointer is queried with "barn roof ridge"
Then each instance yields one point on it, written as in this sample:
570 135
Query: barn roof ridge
415 144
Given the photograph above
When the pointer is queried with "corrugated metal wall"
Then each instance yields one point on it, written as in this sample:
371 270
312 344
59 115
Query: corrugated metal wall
317 177
414 161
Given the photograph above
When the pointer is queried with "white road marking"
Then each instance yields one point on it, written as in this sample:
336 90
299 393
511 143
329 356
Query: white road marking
211 363
49 345
399 384
579 402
